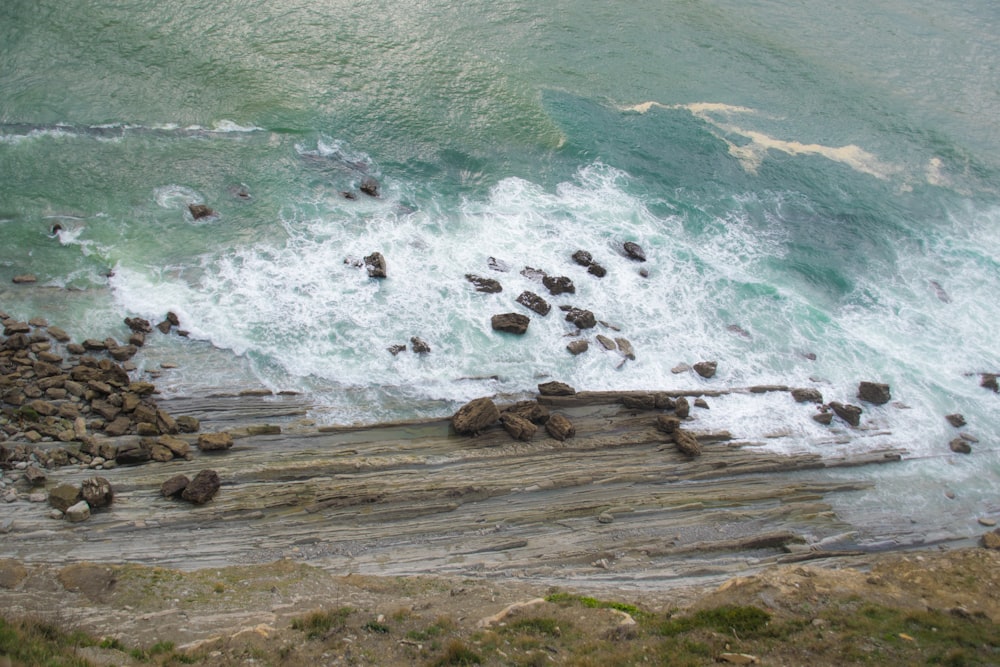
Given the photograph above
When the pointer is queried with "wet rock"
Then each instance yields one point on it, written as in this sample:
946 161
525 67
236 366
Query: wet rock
174 486
625 347
533 302
849 413
682 408
64 496
487 285
560 427
555 388
514 323
97 492
597 270
202 488
581 319
475 416
578 346
533 274
131 453
375 263
634 252
24 278
559 285
215 442
78 512
989 381
706 369
498 265
956 420
701 403
518 427
369 186
138 325
583 258
807 395
874 392
199 211
420 346
606 342
960 446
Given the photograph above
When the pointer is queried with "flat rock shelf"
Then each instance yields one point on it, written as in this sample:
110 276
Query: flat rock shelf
616 505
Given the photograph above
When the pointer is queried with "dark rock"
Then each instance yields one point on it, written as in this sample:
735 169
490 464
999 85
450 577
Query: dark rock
396 349
514 323
625 347
474 416
199 211
596 269
487 285
375 263
960 446
518 427
202 488
347 194
560 427
420 346
34 475
581 319
559 285
583 258
123 352
701 403
215 442
533 411
989 381
369 186
825 418
132 453
142 388
873 392
578 346
11 328
633 251
807 395
138 325
663 401
606 342
956 420
687 443
164 326
533 302
120 426
533 274
555 389
174 486
682 408
24 278
849 413
706 369
738 331
97 492
64 496
137 339
59 334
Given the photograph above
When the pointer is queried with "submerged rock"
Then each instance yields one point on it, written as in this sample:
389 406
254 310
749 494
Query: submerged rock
199 211
634 251
706 369
849 413
375 263
487 285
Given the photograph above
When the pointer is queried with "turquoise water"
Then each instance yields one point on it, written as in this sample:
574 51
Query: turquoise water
807 180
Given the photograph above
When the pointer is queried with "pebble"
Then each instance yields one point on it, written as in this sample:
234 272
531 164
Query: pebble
10 496
983 521
55 514
6 526
606 517
37 497
20 465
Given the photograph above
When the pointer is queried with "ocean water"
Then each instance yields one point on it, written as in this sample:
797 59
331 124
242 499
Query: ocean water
816 188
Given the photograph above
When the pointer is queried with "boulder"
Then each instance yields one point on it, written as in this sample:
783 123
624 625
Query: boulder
640 402
560 427
64 496
991 540
606 342
554 388
474 416
583 258
956 420
559 285
186 424
625 347
533 302
989 381
202 488
396 349
518 427
514 323
579 346
158 452
597 270
581 319
533 411
634 251
376 266
78 512
960 446
663 401
119 426
874 392
849 413
682 408
24 278
97 492
824 418
174 486
668 423
701 403
369 186
706 369
687 443
138 325
420 346
199 211
487 285
215 442
165 423
132 453
34 475
807 395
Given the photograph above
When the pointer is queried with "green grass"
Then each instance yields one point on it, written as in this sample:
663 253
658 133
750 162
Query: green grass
34 642
319 623
566 599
